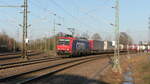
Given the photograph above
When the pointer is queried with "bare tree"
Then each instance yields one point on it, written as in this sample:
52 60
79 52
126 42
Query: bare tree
7 43
96 36
125 38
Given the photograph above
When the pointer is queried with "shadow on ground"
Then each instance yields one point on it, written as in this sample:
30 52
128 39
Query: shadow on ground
66 79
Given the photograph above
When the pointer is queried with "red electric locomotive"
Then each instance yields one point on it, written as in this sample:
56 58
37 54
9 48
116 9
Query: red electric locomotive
71 46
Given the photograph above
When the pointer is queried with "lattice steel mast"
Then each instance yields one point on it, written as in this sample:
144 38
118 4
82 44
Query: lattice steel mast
25 26
116 63
149 30
25 30
54 32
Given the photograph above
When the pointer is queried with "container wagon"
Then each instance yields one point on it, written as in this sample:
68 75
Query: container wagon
108 47
96 46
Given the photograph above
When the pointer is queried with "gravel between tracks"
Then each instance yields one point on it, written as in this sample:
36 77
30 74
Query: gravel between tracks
17 70
81 74
32 57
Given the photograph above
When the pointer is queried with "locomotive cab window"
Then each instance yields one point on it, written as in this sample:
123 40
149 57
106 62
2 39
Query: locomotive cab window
64 41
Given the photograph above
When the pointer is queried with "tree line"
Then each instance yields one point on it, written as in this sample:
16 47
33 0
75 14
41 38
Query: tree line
7 43
47 43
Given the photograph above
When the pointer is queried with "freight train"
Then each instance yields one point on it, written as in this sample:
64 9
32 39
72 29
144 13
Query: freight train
70 46
139 48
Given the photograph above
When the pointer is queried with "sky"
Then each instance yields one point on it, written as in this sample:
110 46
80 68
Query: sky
86 16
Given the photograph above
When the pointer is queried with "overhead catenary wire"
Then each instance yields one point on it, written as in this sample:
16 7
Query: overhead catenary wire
25 26
92 16
10 21
81 22
59 6
65 11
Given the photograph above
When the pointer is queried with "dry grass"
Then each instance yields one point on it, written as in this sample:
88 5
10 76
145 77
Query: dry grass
140 66
112 77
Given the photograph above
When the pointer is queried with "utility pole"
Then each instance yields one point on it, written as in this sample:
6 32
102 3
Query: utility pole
25 30
128 52
25 26
54 31
149 29
116 62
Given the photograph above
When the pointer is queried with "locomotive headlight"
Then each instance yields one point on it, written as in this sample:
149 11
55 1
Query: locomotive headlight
68 49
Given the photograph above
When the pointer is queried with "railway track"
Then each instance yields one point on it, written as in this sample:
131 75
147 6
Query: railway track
35 61
12 53
18 55
49 70
23 63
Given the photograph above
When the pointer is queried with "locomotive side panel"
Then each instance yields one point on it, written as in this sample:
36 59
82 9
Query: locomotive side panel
80 47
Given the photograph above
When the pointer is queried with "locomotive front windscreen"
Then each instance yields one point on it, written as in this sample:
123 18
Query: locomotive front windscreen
64 41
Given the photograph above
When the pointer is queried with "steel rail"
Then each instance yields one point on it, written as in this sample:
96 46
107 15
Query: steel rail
23 63
17 56
13 79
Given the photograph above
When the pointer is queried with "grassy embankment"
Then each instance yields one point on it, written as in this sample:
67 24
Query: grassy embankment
142 69
140 64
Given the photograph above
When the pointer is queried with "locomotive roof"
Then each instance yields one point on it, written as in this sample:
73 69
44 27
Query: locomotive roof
66 38
72 38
